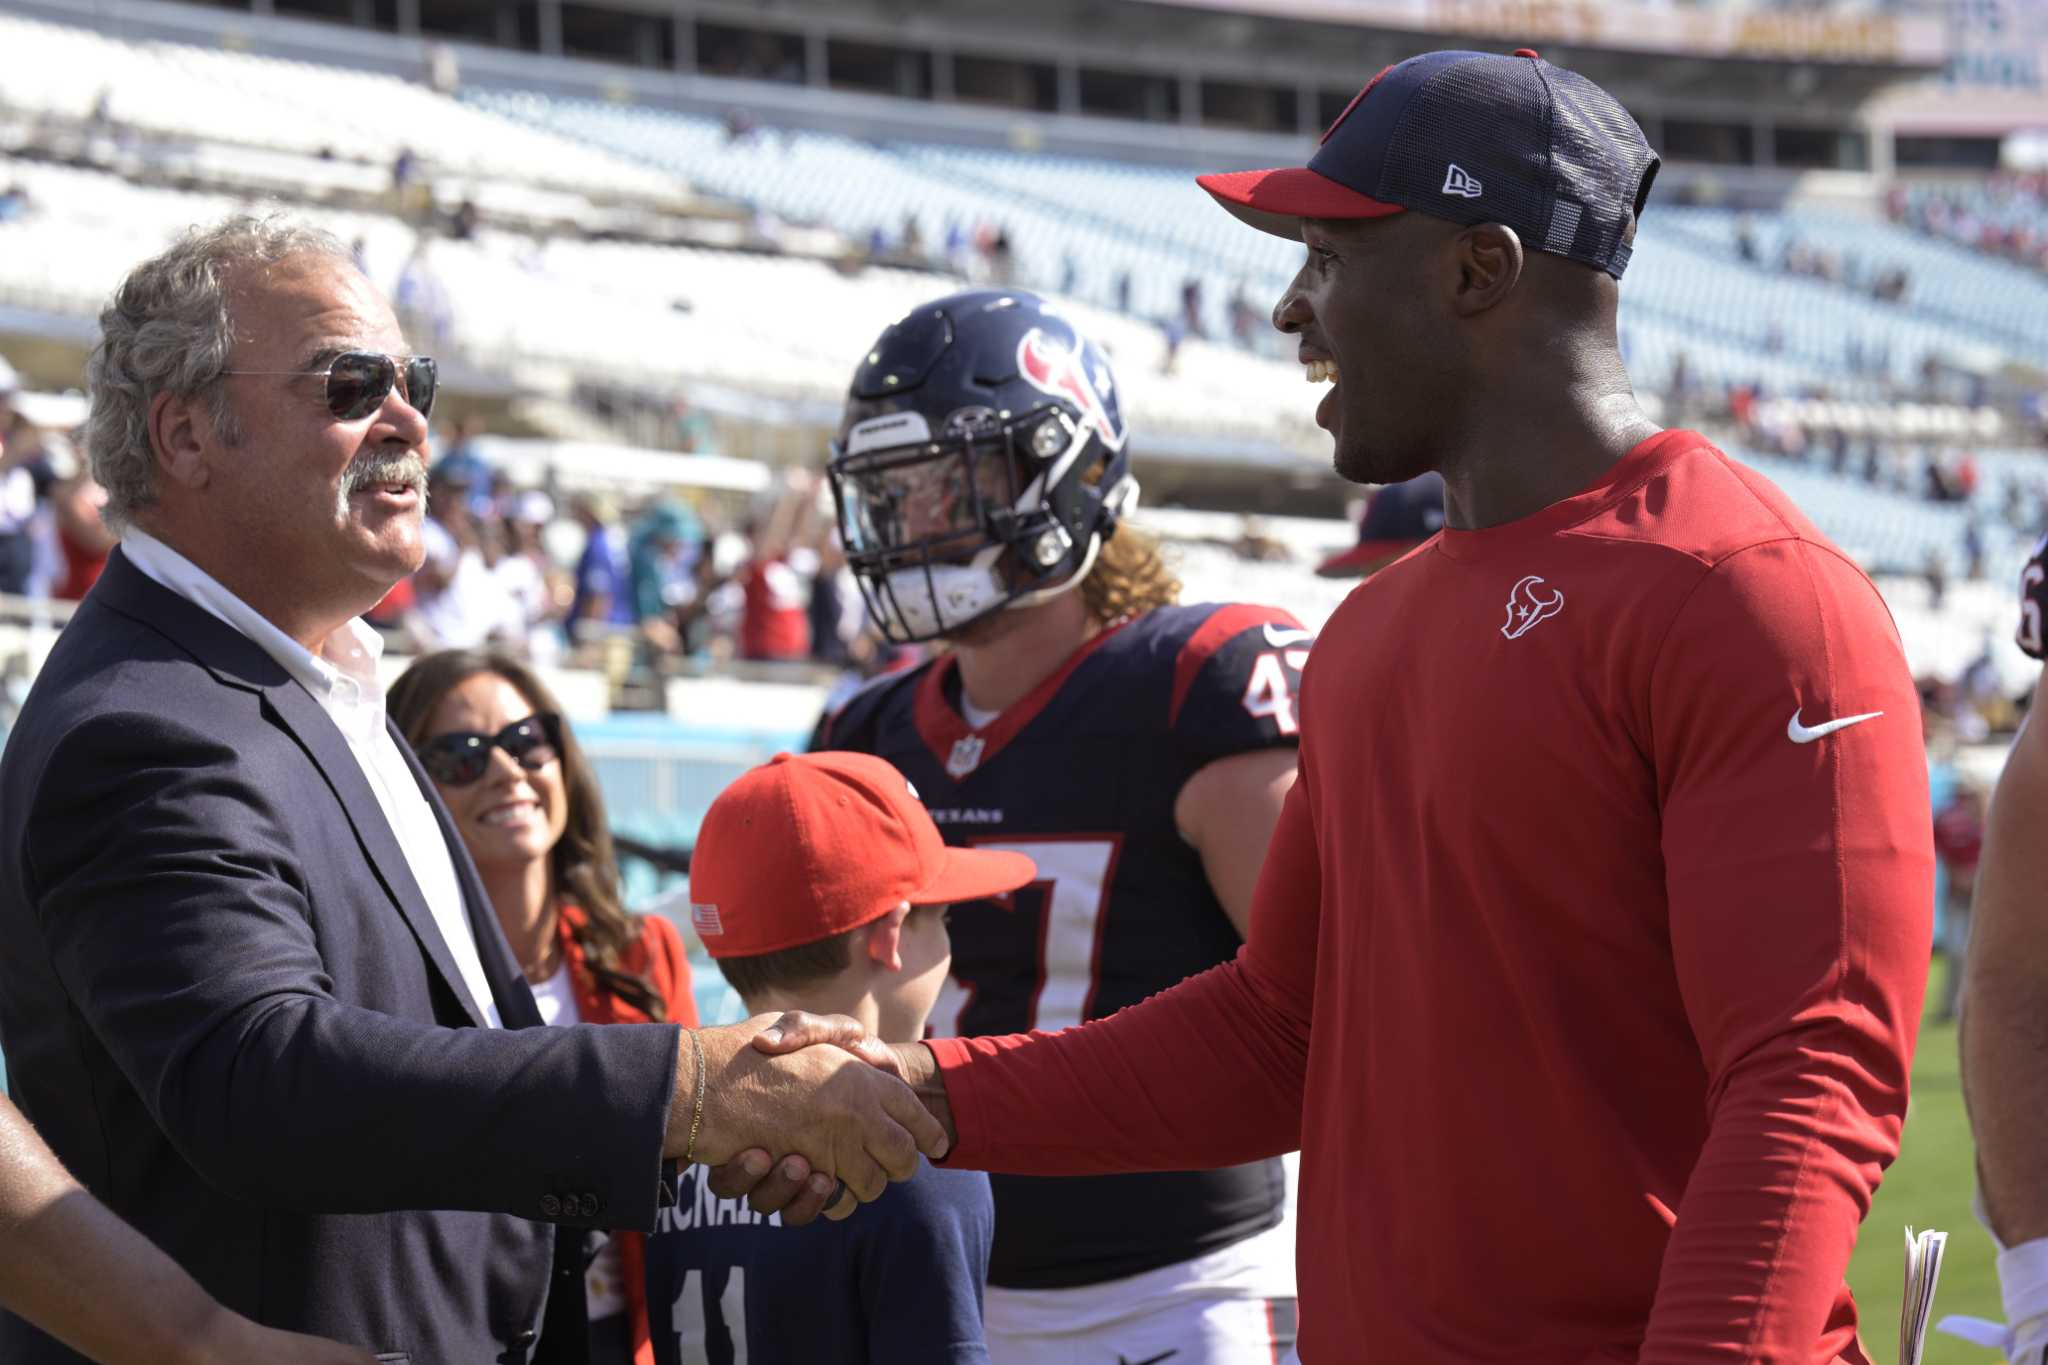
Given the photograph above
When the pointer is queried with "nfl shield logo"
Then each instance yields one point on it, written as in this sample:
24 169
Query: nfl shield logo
965 758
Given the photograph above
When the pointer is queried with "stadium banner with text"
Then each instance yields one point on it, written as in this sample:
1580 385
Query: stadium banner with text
1857 38
1995 82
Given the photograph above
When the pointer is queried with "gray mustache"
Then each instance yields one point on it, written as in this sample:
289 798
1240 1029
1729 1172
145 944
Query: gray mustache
399 469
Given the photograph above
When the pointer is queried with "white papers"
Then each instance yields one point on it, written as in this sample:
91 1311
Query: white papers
1923 1272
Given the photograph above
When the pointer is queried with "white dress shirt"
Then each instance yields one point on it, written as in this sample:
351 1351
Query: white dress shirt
344 683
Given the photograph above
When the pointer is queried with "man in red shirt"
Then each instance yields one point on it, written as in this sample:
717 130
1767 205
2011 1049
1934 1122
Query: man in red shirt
1587 959
1958 844
775 622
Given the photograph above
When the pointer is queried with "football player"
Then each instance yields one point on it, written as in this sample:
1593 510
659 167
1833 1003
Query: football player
1137 749
2004 1046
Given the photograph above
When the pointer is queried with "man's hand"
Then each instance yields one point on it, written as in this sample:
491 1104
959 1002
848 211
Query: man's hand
795 1029
850 1123
791 1188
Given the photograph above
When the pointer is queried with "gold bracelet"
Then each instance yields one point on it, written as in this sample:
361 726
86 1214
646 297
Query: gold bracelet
697 1115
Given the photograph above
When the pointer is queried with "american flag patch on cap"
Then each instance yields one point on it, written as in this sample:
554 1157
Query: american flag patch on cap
704 919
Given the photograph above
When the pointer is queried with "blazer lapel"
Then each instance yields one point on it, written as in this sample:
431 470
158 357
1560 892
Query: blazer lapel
508 983
299 713
237 661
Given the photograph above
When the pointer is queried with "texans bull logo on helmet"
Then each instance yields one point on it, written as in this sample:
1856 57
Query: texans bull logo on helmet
1077 376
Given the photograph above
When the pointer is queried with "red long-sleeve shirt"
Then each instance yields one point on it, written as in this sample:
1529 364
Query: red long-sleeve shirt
1587 959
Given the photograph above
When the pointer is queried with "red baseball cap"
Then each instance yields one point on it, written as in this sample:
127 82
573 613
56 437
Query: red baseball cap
811 845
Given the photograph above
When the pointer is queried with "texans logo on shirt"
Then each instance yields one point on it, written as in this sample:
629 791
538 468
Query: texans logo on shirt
1077 376
1526 607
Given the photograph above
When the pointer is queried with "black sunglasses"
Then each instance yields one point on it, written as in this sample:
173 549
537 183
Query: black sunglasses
358 382
460 757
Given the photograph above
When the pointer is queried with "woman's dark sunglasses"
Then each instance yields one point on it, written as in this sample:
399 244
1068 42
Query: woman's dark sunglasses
460 757
358 382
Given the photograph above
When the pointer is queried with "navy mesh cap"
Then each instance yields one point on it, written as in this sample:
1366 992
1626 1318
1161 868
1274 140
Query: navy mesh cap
1397 519
1474 138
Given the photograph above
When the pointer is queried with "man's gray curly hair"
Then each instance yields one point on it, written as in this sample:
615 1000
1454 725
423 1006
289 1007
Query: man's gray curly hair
167 330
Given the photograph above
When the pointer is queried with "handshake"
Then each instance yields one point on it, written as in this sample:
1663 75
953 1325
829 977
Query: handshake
806 1114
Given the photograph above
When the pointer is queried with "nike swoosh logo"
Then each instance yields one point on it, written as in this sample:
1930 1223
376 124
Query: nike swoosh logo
1807 734
1279 637
1148 1360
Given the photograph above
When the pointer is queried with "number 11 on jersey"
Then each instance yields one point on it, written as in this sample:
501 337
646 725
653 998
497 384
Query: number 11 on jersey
711 1334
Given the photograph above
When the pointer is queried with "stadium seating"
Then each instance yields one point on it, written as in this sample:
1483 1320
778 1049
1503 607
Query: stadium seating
1816 324
1688 292
2003 218
1961 299
639 314
811 176
626 312
1879 528
658 316
242 100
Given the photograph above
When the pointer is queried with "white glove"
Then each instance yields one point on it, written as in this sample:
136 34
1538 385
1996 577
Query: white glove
2023 1284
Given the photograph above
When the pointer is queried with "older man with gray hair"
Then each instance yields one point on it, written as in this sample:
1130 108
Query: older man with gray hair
254 994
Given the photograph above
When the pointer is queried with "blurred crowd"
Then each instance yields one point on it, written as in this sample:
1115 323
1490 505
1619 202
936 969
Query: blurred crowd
1885 282
982 253
584 578
2007 217
589 579
1930 471
52 541
1971 707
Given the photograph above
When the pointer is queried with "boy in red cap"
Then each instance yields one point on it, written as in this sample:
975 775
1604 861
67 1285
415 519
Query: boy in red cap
819 882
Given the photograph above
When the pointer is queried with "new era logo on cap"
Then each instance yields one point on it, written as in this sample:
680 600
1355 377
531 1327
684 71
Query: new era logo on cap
704 919
1456 181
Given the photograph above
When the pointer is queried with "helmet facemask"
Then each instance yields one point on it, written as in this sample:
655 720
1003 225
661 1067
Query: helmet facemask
944 530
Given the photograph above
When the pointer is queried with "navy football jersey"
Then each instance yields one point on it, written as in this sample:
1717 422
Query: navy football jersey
1082 775
2033 601
899 1281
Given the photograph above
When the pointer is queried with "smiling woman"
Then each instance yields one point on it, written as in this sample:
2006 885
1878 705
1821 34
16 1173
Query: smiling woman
526 803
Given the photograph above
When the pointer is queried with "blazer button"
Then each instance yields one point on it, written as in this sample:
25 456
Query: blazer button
550 1206
588 1206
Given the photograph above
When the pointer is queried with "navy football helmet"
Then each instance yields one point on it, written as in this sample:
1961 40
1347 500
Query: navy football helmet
980 464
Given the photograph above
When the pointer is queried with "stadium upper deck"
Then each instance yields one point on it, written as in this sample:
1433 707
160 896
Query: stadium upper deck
1735 85
318 114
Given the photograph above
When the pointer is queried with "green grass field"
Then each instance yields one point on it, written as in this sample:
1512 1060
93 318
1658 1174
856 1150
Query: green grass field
1929 1186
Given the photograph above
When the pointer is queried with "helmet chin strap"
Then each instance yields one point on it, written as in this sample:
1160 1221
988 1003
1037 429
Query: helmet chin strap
1117 502
1065 585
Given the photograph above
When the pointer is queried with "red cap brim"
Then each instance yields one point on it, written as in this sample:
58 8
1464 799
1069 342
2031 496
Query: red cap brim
1364 557
1276 201
972 874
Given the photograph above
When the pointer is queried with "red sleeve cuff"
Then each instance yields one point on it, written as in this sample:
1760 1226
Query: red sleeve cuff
954 1057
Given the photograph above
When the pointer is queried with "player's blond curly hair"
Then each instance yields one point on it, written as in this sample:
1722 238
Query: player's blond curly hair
1130 576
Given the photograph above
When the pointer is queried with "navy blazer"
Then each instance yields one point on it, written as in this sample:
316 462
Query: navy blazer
226 1006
